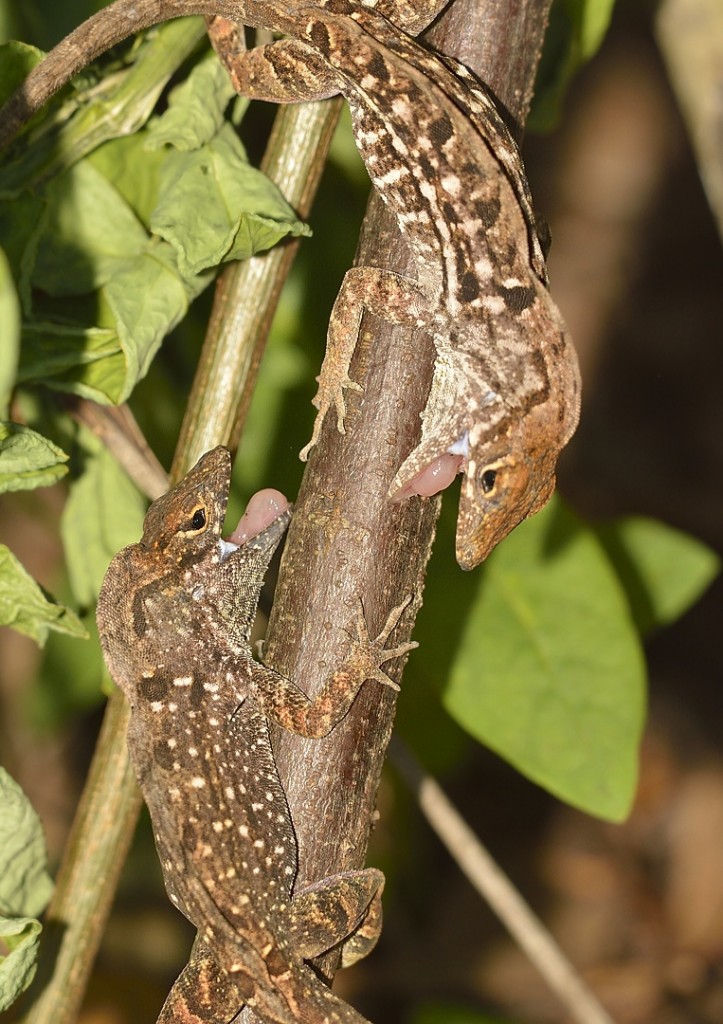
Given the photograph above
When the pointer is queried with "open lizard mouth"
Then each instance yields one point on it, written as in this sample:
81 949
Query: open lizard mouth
261 526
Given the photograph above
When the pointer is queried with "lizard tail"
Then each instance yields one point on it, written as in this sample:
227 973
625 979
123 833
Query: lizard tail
111 26
317 1005
204 993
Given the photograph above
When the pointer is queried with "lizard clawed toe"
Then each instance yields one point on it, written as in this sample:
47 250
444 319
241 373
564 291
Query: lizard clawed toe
328 395
372 650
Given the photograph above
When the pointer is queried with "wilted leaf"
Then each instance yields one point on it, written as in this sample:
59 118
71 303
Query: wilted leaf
195 108
148 298
25 885
25 608
90 234
27 459
213 206
86 360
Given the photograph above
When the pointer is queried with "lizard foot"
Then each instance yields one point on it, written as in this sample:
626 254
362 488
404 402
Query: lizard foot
330 393
372 653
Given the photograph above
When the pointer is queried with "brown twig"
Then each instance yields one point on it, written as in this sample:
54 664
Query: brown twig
495 887
117 428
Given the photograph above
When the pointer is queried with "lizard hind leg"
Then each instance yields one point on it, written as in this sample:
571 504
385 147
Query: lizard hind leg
287 71
343 909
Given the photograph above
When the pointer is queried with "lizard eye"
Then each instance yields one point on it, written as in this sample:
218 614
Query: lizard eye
199 519
487 480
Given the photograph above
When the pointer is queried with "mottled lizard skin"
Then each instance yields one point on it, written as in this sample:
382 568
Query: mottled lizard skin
174 616
506 390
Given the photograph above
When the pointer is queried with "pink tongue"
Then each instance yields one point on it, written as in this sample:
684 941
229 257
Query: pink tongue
262 509
434 478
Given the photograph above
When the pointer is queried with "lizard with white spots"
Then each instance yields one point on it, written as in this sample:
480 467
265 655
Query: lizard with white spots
174 617
505 394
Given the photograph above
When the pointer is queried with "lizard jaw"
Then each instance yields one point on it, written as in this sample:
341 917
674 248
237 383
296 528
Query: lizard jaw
261 527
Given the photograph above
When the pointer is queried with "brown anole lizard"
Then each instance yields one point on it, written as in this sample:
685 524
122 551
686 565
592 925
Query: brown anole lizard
505 394
174 616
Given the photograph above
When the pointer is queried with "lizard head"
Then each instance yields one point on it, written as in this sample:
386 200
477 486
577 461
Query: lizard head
183 529
203 575
506 447
506 479
184 525
182 576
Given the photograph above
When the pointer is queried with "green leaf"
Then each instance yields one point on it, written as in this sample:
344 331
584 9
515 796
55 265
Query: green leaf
133 170
93 240
20 936
27 459
25 608
148 298
663 571
95 110
22 223
195 108
25 888
452 1013
214 206
575 32
25 885
17 60
10 320
90 234
88 361
550 673
143 300
104 512
593 17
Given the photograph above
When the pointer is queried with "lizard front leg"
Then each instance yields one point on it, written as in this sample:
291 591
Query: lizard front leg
389 296
284 703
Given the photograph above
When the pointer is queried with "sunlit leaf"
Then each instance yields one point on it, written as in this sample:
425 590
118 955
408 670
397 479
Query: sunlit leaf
576 30
90 233
17 60
550 672
27 459
25 608
195 108
664 571
20 936
10 325
25 885
213 205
